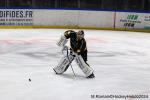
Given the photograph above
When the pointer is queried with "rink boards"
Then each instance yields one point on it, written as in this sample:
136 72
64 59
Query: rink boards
54 18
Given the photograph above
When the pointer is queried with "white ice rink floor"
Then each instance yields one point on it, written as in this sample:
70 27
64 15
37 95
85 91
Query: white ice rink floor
121 62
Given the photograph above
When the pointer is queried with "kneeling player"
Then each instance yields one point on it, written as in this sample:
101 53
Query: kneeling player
78 52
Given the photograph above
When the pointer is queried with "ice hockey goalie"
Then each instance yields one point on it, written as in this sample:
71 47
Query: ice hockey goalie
78 52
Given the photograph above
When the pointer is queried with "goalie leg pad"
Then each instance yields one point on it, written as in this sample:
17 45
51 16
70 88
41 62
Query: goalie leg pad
87 70
63 64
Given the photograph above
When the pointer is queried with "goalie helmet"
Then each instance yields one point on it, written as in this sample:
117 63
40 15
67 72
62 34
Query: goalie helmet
81 32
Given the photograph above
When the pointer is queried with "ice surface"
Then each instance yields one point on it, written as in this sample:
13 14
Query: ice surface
121 63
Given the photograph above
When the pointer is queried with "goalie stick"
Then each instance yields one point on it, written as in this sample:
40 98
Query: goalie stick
70 63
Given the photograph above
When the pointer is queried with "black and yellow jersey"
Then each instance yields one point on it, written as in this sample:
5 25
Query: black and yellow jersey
78 46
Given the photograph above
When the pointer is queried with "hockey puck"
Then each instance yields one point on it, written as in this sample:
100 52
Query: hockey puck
29 80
